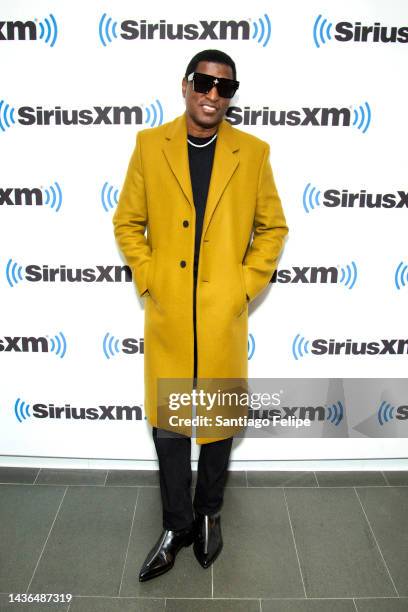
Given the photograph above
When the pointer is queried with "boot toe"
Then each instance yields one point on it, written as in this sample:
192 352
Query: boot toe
158 566
208 541
206 560
162 556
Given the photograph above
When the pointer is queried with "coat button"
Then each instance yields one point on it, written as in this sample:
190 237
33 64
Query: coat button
185 223
183 263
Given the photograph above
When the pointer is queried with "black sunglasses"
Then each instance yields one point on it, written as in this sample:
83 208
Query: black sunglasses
203 83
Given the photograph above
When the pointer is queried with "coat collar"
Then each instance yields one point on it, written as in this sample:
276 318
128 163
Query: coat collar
225 161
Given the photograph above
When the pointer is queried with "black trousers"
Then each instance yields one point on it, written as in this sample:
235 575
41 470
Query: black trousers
174 455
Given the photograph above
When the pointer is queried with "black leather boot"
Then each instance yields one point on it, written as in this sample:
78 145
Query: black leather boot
163 554
207 538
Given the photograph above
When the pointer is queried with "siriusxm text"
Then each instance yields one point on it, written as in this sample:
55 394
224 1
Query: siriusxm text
98 413
363 199
378 33
385 346
97 115
317 116
62 274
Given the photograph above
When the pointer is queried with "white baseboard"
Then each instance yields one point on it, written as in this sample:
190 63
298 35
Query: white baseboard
290 465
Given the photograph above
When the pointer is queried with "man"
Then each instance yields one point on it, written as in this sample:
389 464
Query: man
200 187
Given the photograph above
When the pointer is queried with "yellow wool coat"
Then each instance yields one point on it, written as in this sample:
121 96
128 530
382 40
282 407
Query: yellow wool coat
242 199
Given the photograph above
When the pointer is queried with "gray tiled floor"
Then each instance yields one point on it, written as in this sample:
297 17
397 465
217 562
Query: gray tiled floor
293 542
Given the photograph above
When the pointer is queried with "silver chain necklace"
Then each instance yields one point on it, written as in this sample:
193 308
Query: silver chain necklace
199 146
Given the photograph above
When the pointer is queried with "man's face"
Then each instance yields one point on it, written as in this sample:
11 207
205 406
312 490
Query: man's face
206 110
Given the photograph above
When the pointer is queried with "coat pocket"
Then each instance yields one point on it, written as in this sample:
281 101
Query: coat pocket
151 275
244 300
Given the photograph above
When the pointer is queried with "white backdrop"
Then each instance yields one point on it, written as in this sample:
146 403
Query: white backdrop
78 59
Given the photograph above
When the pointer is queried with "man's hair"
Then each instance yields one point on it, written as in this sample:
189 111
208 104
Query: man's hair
211 55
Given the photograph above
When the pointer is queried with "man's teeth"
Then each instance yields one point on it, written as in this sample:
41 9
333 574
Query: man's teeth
209 108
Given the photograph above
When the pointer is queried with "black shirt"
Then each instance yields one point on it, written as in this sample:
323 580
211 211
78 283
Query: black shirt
201 161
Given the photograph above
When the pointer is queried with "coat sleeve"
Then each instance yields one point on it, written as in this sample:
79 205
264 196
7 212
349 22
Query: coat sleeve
130 220
269 232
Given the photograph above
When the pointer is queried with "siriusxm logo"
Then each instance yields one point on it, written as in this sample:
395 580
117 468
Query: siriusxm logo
401 275
251 346
344 275
150 114
24 411
333 413
34 274
30 344
386 413
109 197
45 30
346 31
357 116
320 346
32 196
112 346
343 198
257 30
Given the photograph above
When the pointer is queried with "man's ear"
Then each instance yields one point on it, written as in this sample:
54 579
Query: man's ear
184 86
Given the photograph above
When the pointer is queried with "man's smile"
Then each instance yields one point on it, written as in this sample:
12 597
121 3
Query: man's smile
209 108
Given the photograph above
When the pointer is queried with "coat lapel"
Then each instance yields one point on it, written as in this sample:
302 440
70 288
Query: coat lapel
225 162
176 152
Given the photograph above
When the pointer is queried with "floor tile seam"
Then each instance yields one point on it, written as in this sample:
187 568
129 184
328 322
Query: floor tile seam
46 539
361 486
128 543
137 597
294 541
350 598
385 478
376 542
